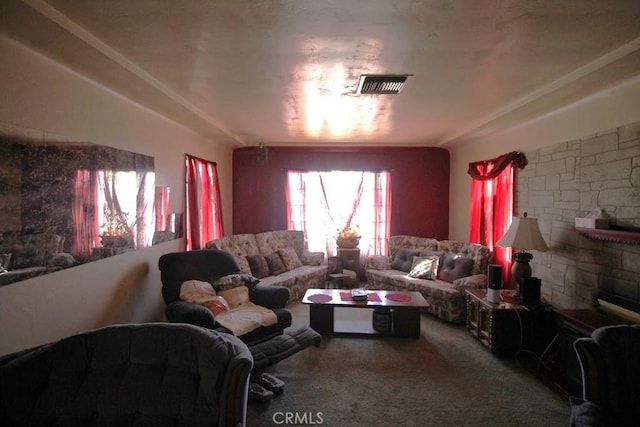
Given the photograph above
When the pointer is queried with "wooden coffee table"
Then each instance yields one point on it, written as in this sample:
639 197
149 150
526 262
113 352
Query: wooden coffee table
402 307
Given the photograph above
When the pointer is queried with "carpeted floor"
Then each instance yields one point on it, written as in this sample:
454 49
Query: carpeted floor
444 378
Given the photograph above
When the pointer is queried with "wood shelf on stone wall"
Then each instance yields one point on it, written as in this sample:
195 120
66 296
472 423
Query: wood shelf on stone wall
619 236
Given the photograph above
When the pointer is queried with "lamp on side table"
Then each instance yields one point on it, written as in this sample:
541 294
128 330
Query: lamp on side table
523 234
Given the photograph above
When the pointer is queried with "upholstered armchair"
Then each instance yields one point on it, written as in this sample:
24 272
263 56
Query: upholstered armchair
135 374
610 365
268 344
209 265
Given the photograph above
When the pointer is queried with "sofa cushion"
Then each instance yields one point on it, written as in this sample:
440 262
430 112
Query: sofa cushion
290 258
424 267
404 259
455 266
258 265
276 266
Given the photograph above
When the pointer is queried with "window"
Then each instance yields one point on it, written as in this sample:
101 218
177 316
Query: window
323 203
203 206
492 204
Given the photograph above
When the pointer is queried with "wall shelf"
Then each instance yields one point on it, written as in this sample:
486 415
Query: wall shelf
619 236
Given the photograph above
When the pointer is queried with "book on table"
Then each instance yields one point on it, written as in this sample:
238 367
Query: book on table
358 294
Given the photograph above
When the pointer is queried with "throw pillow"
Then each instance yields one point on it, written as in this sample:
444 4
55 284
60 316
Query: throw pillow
228 281
403 260
258 265
217 305
196 291
276 266
424 267
235 297
289 258
441 256
455 266
249 281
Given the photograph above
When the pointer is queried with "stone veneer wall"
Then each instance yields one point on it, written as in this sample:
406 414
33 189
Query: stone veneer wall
569 180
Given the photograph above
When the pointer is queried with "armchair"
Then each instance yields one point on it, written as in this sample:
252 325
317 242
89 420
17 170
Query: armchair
268 344
610 377
209 265
134 374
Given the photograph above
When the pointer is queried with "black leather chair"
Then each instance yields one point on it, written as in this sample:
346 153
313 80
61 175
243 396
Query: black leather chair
269 344
156 374
209 265
610 366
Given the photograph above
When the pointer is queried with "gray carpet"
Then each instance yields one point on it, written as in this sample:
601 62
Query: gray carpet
444 378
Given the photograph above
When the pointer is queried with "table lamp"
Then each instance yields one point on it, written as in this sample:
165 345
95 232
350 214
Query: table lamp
524 235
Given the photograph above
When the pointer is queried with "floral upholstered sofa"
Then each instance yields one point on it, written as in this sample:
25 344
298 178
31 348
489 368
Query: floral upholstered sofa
460 266
276 258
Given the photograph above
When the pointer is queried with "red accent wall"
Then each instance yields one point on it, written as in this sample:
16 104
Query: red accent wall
419 183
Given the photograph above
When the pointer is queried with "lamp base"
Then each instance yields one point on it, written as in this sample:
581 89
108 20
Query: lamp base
520 270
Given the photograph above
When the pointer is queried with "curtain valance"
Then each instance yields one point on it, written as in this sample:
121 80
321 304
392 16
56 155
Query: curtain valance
489 169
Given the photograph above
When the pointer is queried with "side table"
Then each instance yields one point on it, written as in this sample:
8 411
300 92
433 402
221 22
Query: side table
350 259
498 326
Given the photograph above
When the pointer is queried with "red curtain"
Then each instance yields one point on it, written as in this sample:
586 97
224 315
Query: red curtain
492 205
203 205
161 206
86 233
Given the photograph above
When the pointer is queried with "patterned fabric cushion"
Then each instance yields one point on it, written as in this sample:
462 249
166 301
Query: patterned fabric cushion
227 282
276 266
456 266
477 281
259 266
439 254
290 258
404 259
424 267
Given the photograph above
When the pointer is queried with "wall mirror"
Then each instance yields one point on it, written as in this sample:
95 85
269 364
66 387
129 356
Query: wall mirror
65 203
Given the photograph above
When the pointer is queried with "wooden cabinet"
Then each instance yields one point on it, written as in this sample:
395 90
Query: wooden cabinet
500 327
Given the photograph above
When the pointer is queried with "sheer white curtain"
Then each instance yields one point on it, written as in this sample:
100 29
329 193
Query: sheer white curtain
323 203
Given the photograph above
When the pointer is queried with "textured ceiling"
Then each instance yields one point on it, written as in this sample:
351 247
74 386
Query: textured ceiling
286 72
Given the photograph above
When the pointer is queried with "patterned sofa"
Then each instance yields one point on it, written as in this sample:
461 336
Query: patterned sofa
461 266
23 256
302 269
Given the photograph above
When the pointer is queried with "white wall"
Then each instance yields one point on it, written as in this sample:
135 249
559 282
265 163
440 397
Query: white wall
41 97
609 109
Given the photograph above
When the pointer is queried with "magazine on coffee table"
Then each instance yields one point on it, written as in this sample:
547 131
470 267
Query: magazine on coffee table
358 294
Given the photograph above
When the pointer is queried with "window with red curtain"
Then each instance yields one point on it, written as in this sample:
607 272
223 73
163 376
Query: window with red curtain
203 208
323 203
492 205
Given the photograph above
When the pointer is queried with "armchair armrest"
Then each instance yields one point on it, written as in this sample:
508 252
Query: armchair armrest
311 258
187 312
476 281
269 296
378 262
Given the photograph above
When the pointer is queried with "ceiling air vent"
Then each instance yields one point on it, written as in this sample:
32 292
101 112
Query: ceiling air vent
381 84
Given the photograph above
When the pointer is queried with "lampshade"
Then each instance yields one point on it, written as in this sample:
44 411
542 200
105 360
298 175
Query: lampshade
524 234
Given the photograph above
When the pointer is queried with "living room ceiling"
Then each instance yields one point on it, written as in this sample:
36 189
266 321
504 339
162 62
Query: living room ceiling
286 71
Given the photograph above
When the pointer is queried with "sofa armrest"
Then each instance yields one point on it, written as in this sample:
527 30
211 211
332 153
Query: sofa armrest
477 281
269 296
311 258
187 312
378 262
